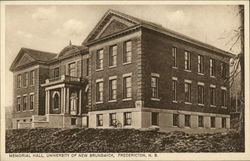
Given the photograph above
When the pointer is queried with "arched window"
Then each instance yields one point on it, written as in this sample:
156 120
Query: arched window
56 100
73 102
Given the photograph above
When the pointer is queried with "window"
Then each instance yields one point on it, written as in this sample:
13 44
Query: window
24 120
154 86
212 122
223 69
174 56
187 61
25 80
99 59
31 102
187 92
187 120
87 72
200 121
56 72
127 55
99 91
32 77
72 69
212 67
18 104
175 120
113 56
73 121
127 118
223 98
174 93
200 94
200 64
127 87
112 89
56 100
112 117
223 122
19 80
24 102
99 119
212 96
155 118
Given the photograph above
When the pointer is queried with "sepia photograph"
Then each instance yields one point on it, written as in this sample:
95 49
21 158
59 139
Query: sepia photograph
124 80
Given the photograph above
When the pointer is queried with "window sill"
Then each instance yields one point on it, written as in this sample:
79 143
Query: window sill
126 63
212 106
112 66
199 104
97 70
174 67
201 74
188 103
212 76
127 99
223 107
112 101
98 102
174 101
187 70
32 110
155 99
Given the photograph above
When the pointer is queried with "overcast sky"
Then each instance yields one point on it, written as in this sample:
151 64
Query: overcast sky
51 27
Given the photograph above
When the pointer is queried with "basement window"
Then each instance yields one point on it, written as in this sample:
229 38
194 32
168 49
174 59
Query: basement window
155 118
73 121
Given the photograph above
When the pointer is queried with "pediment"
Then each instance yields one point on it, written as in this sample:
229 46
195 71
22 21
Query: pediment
112 22
25 59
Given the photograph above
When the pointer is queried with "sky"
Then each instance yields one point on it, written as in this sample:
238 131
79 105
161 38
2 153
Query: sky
51 27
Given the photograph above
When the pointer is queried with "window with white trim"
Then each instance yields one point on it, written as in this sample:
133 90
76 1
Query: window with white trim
200 64
187 92
18 108
212 96
99 119
154 86
155 118
32 101
174 91
223 70
99 59
112 119
187 120
72 69
99 91
19 80
223 98
187 60
24 103
25 80
127 87
127 118
200 94
174 56
113 56
212 67
112 89
32 77
200 121
127 54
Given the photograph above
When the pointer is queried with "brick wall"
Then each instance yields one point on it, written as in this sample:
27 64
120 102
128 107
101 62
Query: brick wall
156 50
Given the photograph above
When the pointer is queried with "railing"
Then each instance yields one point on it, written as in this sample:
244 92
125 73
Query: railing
65 78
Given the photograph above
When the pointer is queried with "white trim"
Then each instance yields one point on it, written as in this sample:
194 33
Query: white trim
212 106
175 67
127 63
224 107
187 81
155 75
113 77
32 93
99 102
155 99
127 75
18 96
174 78
126 99
99 80
113 66
212 76
174 101
25 94
212 86
97 70
200 104
187 70
223 88
188 103
201 73
112 100
201 83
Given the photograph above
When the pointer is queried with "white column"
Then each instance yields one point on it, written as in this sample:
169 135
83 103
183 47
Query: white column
80 102
62 99
48 102
67 98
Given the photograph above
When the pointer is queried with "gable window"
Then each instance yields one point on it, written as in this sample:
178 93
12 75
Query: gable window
32 77
31 102
113 56
187 91
72 69
25 80
99 119
99 59
200 64
127 118
155 118
174 56
212 122
201 94
155 85
212 95
187 120
112 119
18 108
127 53
24 103
174 92
212 67
56 71
223 122
99 91
187 60
19 80
223 69
223 97
175 120
112 89
200 121
127 87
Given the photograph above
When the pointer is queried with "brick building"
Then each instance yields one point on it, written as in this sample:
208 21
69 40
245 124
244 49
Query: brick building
127 72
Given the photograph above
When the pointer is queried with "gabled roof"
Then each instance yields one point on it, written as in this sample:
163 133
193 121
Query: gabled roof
71 50
28 56
149 25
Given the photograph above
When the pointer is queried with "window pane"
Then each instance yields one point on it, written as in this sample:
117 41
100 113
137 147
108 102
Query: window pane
187 120
155 118
127 57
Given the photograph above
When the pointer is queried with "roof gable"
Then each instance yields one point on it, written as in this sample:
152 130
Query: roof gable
24 60
111 22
